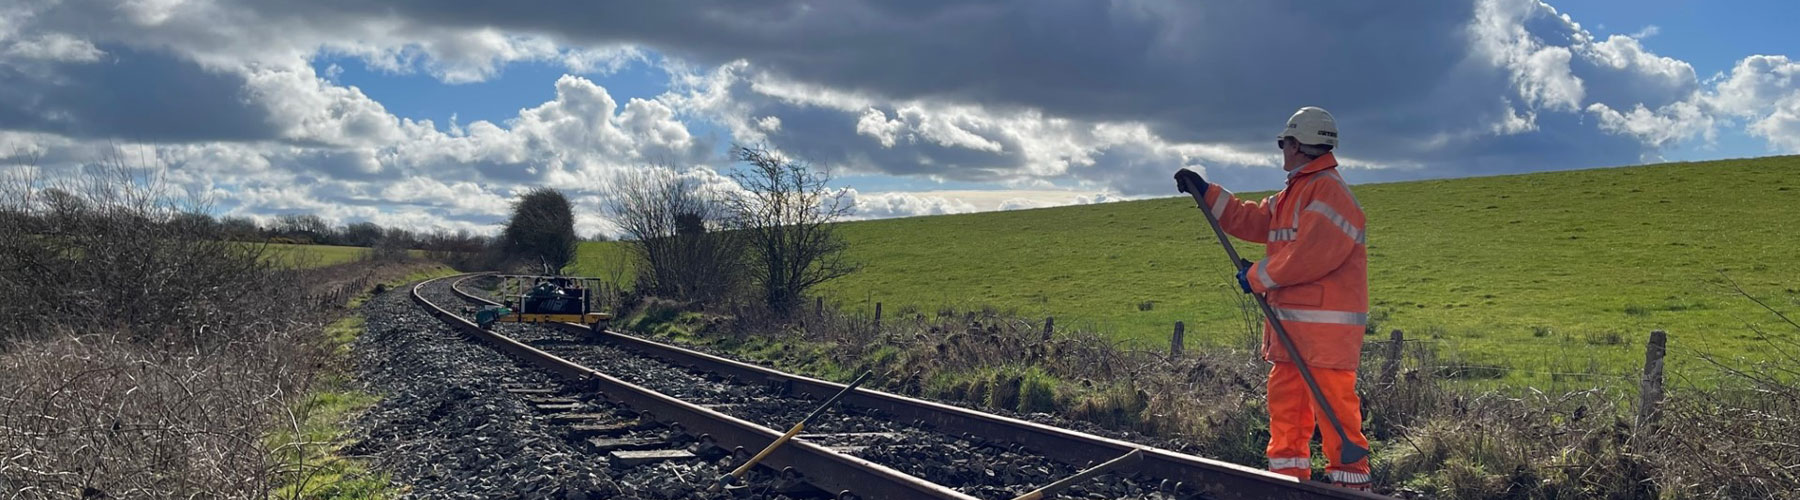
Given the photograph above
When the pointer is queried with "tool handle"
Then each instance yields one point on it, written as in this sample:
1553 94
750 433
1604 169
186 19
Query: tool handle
835 397
1349 453
745 469
1136 455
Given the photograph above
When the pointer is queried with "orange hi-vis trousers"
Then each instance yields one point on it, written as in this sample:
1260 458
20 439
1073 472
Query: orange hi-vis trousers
1293 416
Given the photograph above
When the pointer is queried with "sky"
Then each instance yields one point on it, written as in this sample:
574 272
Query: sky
434 114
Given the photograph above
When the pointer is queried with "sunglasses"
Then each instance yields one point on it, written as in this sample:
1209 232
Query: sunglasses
1281 144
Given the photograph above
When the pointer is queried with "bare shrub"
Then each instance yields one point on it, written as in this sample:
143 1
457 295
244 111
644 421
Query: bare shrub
105 252
676 229
100 415
786 211
1738 441
144 356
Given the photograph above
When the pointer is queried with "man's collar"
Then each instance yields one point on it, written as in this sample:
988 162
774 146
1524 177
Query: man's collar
1317 164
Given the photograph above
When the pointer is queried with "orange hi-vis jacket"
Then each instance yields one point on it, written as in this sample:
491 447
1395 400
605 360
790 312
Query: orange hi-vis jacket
1315 276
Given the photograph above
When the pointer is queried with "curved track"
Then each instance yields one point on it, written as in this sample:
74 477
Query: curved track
1029 453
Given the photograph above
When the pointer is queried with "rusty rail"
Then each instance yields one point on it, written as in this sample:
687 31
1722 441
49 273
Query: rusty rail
1211 478
830 471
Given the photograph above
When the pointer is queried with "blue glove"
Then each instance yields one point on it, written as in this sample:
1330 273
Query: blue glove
1244 278
1185 178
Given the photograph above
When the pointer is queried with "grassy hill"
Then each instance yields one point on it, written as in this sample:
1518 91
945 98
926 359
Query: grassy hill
306 256
1559 272
310 256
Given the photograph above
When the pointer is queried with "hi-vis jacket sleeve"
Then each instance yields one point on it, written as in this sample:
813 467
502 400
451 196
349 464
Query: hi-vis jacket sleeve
1331 227
1247 220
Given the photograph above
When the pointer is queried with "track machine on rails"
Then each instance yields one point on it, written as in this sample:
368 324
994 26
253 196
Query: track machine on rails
545 299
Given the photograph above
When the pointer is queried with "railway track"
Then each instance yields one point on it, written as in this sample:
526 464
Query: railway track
661 402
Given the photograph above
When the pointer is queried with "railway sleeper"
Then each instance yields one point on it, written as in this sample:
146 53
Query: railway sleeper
550 400
634 458
525 390
559 407
629 443
614 428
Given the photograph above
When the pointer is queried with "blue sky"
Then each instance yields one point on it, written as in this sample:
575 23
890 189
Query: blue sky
920 108
1712 36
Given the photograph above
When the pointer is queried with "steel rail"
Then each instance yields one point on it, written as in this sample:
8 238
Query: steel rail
1211 478
829 470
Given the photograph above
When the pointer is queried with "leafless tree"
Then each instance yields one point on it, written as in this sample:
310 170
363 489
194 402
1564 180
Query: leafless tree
786 211
676 227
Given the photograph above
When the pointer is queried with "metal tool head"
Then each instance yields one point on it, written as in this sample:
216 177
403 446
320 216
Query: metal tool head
1351 453
725 481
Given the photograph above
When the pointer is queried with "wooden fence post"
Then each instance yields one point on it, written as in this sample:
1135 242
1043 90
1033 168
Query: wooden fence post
1650 392
1390 370
1049 326
877 315
1175 341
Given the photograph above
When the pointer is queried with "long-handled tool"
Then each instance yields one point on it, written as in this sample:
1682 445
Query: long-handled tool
738 474
1136 455
1349 452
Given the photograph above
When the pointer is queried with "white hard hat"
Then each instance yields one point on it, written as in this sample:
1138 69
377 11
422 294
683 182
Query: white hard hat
1311 125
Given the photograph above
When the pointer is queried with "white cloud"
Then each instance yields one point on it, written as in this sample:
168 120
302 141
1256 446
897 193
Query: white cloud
875 123
1660 128
1625 53
1781 127
938 202
307 108
904 204
1755 82
464 197
54 47
1764 92
1539 70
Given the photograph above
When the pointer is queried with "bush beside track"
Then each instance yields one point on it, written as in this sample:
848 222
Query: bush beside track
143 359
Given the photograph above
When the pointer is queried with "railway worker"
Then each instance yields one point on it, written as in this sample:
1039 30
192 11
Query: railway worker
1315 279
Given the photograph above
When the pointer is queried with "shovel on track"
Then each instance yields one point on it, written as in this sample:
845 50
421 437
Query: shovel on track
735 475
1349 452
1136 455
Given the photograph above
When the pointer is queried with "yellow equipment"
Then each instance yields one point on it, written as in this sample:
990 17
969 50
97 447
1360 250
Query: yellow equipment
547 299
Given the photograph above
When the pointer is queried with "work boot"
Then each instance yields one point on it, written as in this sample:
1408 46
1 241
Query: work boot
1352 486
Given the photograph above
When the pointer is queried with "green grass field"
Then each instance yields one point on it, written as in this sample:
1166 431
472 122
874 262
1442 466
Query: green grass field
603 259
1559 272
309 256
306 256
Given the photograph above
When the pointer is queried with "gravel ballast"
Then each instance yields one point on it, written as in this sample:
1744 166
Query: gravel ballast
965 463
446 427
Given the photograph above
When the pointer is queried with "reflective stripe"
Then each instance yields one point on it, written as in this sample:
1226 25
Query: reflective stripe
1290 463
1218 208
1283 234
1262 275
1337 220
1346 185
1347 477
1318 316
